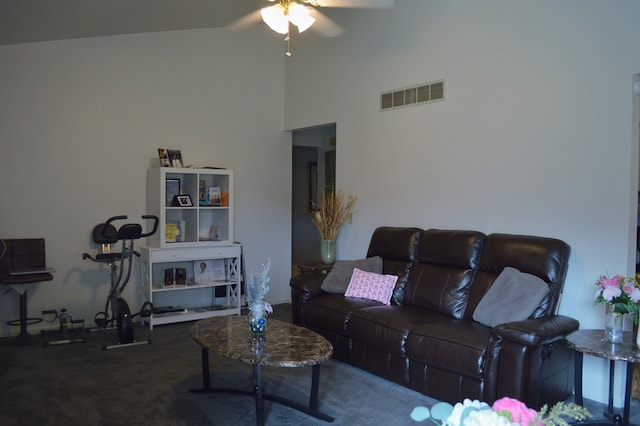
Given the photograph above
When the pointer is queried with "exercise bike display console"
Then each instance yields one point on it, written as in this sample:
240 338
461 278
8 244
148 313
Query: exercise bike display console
116 308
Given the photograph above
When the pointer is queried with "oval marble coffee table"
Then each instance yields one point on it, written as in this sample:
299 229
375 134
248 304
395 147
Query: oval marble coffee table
282 345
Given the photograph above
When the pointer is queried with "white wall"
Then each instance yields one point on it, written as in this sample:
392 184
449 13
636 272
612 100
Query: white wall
80 122
534 135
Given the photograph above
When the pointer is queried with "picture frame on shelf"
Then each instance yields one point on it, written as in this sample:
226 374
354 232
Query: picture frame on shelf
168 277
181 276
164 157
175 158
184 200
172 188
208 271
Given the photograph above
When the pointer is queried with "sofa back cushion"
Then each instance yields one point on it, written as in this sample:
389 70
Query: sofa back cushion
546 258
443 271
397 247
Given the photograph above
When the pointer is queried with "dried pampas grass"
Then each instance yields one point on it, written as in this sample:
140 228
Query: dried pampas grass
331 213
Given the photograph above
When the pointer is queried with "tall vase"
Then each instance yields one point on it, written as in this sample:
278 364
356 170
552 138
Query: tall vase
613 324
328 251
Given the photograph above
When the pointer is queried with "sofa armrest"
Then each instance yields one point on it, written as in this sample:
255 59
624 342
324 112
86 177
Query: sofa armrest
303 288
536 349
535 332
308 284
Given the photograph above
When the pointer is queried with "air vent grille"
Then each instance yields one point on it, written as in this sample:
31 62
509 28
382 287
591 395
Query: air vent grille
414 95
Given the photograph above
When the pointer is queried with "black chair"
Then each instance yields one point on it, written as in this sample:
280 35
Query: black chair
23 264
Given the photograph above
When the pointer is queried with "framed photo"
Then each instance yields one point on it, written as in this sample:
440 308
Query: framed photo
172 189
181 276
184 201
164 157
208 271
175 157
168 277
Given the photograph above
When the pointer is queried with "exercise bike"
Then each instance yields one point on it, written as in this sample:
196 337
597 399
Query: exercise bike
106 234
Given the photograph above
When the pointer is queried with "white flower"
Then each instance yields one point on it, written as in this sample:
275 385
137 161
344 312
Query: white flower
460 407
258 283
486 417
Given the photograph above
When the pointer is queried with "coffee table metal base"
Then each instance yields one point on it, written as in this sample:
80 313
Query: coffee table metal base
259 396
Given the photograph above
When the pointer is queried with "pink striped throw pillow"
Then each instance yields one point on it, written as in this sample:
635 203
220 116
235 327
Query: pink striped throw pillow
372 286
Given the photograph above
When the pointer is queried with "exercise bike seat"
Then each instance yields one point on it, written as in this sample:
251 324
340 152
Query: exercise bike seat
106 234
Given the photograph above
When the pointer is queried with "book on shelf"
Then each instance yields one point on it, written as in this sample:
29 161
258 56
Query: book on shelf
202 192
175 231
214 196
171 232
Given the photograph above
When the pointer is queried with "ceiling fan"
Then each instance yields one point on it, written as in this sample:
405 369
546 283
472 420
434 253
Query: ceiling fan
303 14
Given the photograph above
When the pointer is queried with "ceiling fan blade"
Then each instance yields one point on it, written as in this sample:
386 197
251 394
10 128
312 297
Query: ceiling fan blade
356 4
245 21
325 26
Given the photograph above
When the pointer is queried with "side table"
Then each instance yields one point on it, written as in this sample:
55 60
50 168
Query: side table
592 342
311 269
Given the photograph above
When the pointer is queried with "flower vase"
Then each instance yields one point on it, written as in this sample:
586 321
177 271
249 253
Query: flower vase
328 251
257 318
613 324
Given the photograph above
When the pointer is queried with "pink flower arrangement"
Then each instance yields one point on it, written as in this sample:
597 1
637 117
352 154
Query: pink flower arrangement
518 411
504 412
622 292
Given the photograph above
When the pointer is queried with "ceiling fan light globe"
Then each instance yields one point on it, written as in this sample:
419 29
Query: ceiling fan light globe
300 17
275 18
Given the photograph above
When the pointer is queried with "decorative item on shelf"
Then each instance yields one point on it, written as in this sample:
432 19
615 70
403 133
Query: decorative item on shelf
257 289
620 295
504 412
329 216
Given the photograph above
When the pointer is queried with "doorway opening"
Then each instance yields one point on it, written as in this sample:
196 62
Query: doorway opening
313 171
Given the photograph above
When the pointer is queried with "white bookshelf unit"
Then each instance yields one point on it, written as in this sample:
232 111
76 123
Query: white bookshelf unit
187 236
204 223
191 301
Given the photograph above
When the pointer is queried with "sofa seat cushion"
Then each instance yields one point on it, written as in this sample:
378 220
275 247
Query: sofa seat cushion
386 327
331 311
456 345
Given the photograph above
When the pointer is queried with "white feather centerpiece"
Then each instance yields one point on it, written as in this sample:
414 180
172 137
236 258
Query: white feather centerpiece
257 289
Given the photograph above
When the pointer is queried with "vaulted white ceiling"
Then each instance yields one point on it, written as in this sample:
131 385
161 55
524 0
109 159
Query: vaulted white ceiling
23 21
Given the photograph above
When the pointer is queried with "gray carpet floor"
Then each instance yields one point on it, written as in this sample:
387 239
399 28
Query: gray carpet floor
81 384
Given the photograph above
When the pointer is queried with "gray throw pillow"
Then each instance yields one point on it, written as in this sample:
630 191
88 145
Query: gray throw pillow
513 296
338 278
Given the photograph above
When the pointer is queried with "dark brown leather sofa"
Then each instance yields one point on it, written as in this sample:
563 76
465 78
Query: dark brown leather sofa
427 339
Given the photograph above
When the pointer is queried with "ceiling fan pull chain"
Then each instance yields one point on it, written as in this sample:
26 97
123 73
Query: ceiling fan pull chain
287 39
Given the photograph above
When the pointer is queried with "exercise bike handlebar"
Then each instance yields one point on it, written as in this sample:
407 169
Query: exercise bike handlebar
155 224
131 231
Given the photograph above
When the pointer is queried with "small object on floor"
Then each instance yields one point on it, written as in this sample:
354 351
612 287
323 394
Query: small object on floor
64 342
64 336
